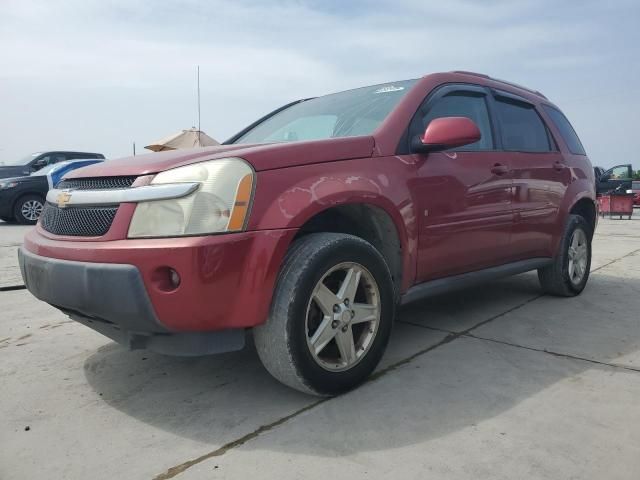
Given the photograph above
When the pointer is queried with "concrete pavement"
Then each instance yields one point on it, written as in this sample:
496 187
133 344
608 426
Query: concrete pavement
492 382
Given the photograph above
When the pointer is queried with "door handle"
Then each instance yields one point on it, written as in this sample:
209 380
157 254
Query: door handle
559 166
500 169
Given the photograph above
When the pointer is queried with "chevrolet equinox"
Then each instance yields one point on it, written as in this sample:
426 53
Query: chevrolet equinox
312 224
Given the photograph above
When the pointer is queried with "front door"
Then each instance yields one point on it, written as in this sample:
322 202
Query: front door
463 195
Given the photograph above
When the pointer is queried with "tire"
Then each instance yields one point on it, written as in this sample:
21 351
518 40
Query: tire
301 307
566 277
27 209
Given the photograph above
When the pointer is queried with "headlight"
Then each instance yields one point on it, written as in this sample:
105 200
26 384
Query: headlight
220 204
7 185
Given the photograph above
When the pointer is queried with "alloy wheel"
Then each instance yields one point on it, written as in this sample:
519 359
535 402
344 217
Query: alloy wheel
343 315
31 210
578 256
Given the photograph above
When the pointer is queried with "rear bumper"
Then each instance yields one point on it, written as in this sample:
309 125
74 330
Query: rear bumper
226 280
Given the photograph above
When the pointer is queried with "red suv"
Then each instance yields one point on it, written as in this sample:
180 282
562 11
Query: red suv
311 225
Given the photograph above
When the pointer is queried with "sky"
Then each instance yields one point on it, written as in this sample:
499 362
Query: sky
97 75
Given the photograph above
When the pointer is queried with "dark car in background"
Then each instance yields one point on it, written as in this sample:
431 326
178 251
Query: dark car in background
35 161
22 198
616 178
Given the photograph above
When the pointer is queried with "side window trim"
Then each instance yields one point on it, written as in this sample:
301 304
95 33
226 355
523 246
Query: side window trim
551 121
437 94
513 98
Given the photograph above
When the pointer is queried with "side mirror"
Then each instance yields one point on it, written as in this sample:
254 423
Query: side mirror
40 164
446 132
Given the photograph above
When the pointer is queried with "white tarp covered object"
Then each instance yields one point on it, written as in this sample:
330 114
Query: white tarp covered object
184 139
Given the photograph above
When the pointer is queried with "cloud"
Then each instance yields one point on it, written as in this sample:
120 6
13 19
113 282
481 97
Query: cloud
137 58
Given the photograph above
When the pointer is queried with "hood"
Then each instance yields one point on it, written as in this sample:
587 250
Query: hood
14 171
262 156
25 179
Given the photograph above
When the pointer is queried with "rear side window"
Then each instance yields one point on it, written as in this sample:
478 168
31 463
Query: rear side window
522 128
463 105
567 132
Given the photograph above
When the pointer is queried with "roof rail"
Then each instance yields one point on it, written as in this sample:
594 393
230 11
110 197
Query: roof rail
535 92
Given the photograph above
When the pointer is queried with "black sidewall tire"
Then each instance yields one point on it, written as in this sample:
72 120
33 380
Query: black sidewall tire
319 379
554 279
576 222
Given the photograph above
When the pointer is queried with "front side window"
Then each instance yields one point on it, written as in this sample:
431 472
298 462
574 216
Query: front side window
567 132
460 104
522 128
620 173
345 114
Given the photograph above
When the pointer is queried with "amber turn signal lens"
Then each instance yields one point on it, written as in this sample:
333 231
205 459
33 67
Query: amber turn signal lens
241 205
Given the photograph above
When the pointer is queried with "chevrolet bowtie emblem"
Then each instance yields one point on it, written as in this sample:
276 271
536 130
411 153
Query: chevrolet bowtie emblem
63 199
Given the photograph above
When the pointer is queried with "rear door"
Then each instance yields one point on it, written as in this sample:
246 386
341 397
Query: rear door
540 175
464 194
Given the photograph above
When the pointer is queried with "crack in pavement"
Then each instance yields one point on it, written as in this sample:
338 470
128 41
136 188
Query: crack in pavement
12 288
533 349
178 469
556 354
451 336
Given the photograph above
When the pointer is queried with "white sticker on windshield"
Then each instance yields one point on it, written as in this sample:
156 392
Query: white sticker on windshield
389 88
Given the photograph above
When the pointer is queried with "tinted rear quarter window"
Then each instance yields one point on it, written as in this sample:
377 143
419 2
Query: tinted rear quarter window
522 128
567 132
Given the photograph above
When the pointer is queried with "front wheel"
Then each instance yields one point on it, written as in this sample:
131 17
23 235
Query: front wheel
568 274
331 315
28 209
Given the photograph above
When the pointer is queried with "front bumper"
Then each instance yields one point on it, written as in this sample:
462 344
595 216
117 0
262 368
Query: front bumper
226 281
91 293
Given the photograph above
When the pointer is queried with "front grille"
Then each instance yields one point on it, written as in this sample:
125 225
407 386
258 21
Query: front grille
77 222
97 183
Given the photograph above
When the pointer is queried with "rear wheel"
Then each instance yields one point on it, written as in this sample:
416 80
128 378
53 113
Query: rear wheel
28 209
568 274
331 315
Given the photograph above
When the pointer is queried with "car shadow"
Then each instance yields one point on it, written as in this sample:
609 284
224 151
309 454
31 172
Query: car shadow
455 386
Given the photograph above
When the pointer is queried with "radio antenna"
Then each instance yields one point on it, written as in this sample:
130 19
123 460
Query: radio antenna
199 144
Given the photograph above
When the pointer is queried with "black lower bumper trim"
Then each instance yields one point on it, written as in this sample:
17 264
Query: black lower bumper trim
112 300
114 292
179 344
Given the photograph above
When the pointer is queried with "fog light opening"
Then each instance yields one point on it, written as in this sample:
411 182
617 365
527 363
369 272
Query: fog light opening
166 279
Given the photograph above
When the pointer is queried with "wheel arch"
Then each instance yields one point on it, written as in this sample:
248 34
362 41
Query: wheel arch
22 195
586 208
370 222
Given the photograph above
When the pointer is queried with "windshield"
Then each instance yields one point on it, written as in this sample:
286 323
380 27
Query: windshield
23 161
345 114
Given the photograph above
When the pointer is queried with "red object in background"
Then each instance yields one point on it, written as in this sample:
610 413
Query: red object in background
616 205
635 188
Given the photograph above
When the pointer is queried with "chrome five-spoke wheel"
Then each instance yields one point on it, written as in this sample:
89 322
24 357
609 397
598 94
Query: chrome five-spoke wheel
578 256
343 315
331 314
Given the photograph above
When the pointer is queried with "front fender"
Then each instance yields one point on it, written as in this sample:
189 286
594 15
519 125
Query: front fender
288 198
